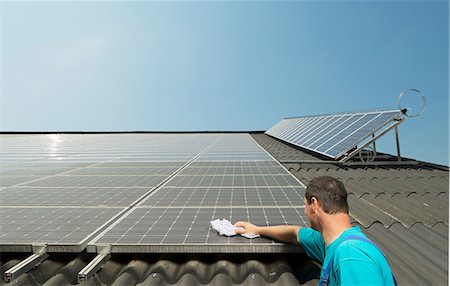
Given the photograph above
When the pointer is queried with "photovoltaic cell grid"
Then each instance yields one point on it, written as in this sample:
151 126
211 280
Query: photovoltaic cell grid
226 197
94 197
60 228
61 190
228 184
332 135
224 176
149 228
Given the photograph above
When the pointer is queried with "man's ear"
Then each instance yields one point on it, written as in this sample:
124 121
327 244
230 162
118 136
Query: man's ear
315 203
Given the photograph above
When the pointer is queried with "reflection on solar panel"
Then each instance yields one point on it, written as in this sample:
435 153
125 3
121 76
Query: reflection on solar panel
332 135
141 192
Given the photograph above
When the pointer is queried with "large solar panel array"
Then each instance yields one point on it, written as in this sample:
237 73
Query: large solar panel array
140 192
332 135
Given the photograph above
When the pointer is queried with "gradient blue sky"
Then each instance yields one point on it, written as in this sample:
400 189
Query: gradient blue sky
118 65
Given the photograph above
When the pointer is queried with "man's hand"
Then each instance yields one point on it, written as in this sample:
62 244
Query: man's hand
247 228
283 233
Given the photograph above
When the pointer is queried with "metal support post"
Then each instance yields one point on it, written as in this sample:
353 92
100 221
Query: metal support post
399 158
374 145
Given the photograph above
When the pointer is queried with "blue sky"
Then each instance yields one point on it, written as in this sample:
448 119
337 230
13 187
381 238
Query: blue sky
209 65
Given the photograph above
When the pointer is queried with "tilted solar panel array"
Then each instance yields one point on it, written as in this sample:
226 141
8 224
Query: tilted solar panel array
332 135
140 192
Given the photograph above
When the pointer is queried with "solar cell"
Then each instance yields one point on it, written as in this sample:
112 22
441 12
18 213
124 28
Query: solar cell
332 135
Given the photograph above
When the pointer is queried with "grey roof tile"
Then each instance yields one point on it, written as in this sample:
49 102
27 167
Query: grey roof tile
417 255
125 270
280 150
359 213
407 210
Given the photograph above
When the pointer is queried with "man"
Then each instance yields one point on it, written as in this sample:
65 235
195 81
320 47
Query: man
348 257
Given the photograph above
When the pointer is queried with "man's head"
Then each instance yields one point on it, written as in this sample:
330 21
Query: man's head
330 193
324 195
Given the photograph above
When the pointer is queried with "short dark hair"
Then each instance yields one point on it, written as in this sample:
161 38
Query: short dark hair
330 193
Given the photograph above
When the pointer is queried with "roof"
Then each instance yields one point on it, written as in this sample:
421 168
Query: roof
402 208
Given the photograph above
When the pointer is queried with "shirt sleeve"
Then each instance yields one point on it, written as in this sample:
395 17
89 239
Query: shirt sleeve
313 243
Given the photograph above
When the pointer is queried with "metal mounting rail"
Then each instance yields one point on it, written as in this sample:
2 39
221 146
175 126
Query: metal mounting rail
89 270
25 265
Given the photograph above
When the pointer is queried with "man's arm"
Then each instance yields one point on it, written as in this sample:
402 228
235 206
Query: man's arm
282 233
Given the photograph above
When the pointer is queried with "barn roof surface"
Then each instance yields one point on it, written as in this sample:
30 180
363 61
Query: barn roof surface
403 208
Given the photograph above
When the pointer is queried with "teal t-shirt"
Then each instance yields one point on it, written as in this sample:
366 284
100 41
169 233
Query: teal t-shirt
355 262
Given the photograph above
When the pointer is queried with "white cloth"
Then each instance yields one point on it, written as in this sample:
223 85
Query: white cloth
224 227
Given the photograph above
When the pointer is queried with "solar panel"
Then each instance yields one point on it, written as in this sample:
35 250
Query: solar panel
220 183
187 229
141 192
332 135
61 228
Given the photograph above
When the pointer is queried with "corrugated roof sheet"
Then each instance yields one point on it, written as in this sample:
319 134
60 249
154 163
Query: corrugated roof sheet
417 255
403 208
294 269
